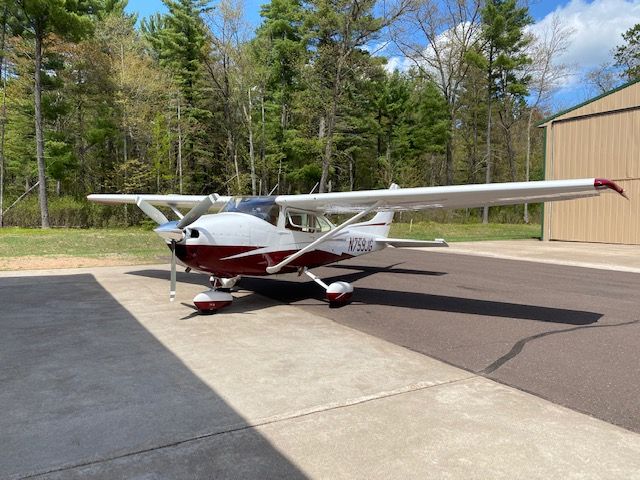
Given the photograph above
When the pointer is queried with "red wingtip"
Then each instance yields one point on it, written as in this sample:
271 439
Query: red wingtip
600 183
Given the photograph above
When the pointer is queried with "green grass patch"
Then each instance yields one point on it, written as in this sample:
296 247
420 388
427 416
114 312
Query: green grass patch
144 245
91 242
464 232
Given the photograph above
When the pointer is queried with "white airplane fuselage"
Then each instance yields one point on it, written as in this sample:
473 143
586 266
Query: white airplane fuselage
286 233
229 244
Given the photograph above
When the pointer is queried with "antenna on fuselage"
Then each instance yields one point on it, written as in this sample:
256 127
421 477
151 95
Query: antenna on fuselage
314 188
273 189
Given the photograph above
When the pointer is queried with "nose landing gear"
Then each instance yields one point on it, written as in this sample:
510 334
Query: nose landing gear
218 297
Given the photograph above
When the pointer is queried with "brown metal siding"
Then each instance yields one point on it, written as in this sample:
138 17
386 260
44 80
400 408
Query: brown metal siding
608 146
618 100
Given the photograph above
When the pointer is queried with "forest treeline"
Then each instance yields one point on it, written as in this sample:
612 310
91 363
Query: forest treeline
193 101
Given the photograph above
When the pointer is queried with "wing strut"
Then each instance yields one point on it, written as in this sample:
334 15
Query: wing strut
327 236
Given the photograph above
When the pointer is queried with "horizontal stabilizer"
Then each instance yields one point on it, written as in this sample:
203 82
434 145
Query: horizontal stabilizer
403 243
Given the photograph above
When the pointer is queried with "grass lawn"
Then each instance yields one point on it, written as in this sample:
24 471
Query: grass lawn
22 248
19 247
464 232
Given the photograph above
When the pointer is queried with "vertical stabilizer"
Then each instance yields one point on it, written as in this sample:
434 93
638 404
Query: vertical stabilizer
380 224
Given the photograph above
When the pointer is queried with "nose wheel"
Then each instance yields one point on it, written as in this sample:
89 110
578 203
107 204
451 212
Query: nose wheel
218 297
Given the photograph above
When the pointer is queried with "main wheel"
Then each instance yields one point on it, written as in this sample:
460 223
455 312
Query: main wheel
339 293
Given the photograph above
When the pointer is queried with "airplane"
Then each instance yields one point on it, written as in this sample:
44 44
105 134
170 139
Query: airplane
266 235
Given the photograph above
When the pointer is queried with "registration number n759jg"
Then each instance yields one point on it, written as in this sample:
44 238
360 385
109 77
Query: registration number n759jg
359 244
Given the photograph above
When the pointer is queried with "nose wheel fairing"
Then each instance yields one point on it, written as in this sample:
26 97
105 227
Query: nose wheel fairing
212 300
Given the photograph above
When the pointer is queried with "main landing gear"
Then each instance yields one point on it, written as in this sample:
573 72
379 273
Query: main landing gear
338 293
218 297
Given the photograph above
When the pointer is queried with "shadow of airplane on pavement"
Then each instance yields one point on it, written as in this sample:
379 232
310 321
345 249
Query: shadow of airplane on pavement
292 289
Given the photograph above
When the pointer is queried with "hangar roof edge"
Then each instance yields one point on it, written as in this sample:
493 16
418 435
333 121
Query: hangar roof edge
541 123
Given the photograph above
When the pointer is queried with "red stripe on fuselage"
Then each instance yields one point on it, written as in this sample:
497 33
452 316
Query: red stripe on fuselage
213 259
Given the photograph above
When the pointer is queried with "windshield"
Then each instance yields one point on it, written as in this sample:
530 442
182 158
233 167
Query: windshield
264 208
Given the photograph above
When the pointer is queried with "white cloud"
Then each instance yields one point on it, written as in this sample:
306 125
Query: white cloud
597 26
398 63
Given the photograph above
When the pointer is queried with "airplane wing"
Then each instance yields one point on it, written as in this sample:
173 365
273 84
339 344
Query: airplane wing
454 196
176 201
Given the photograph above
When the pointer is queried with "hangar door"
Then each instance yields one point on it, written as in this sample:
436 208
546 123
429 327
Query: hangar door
600 145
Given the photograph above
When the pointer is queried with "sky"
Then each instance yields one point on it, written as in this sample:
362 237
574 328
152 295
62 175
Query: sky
597 25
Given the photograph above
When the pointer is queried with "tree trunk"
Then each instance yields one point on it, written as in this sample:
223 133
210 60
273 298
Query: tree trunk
352 173
511 156
331 120
252 159
42 187
179 149
485 209
528 162
387 156
265 170
3 115
449 152
235 163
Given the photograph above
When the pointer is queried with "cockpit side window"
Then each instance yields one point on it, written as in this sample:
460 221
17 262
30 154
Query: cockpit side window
264 208
306 222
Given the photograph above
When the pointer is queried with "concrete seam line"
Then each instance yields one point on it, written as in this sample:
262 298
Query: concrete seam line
415 387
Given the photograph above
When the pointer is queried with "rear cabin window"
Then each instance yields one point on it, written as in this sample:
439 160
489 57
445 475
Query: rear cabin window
264 208
306 222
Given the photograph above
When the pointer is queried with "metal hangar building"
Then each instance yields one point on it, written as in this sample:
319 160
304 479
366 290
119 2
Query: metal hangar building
598 138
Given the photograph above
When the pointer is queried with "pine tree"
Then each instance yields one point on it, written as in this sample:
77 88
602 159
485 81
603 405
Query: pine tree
503 24
627 55
179 40
279 53
39 18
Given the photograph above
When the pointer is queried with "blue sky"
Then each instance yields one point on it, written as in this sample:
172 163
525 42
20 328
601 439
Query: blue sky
597 27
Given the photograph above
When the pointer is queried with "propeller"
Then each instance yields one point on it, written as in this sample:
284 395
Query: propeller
172 288
196 212
152 212
173 232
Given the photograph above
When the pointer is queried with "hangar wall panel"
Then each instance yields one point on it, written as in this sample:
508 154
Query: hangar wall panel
606 145
620 99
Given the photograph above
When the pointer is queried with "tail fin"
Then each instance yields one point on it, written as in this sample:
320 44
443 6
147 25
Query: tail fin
380 224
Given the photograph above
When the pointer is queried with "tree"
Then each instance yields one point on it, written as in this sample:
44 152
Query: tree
437 36
340 28
279 53
627 55
602 78
224 65
504 59
179 40
40 18
546 74
4 8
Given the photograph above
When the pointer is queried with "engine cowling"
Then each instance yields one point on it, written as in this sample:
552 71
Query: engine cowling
339 293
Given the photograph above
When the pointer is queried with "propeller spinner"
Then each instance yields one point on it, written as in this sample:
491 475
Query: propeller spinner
173 231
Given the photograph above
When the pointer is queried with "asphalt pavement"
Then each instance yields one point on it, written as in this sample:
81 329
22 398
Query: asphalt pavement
567 334
102 378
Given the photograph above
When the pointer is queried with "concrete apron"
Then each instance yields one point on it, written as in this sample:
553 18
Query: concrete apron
106 379
624 258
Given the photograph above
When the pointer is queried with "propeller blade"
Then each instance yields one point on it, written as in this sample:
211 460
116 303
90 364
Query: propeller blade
197 211
152 212
172 289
